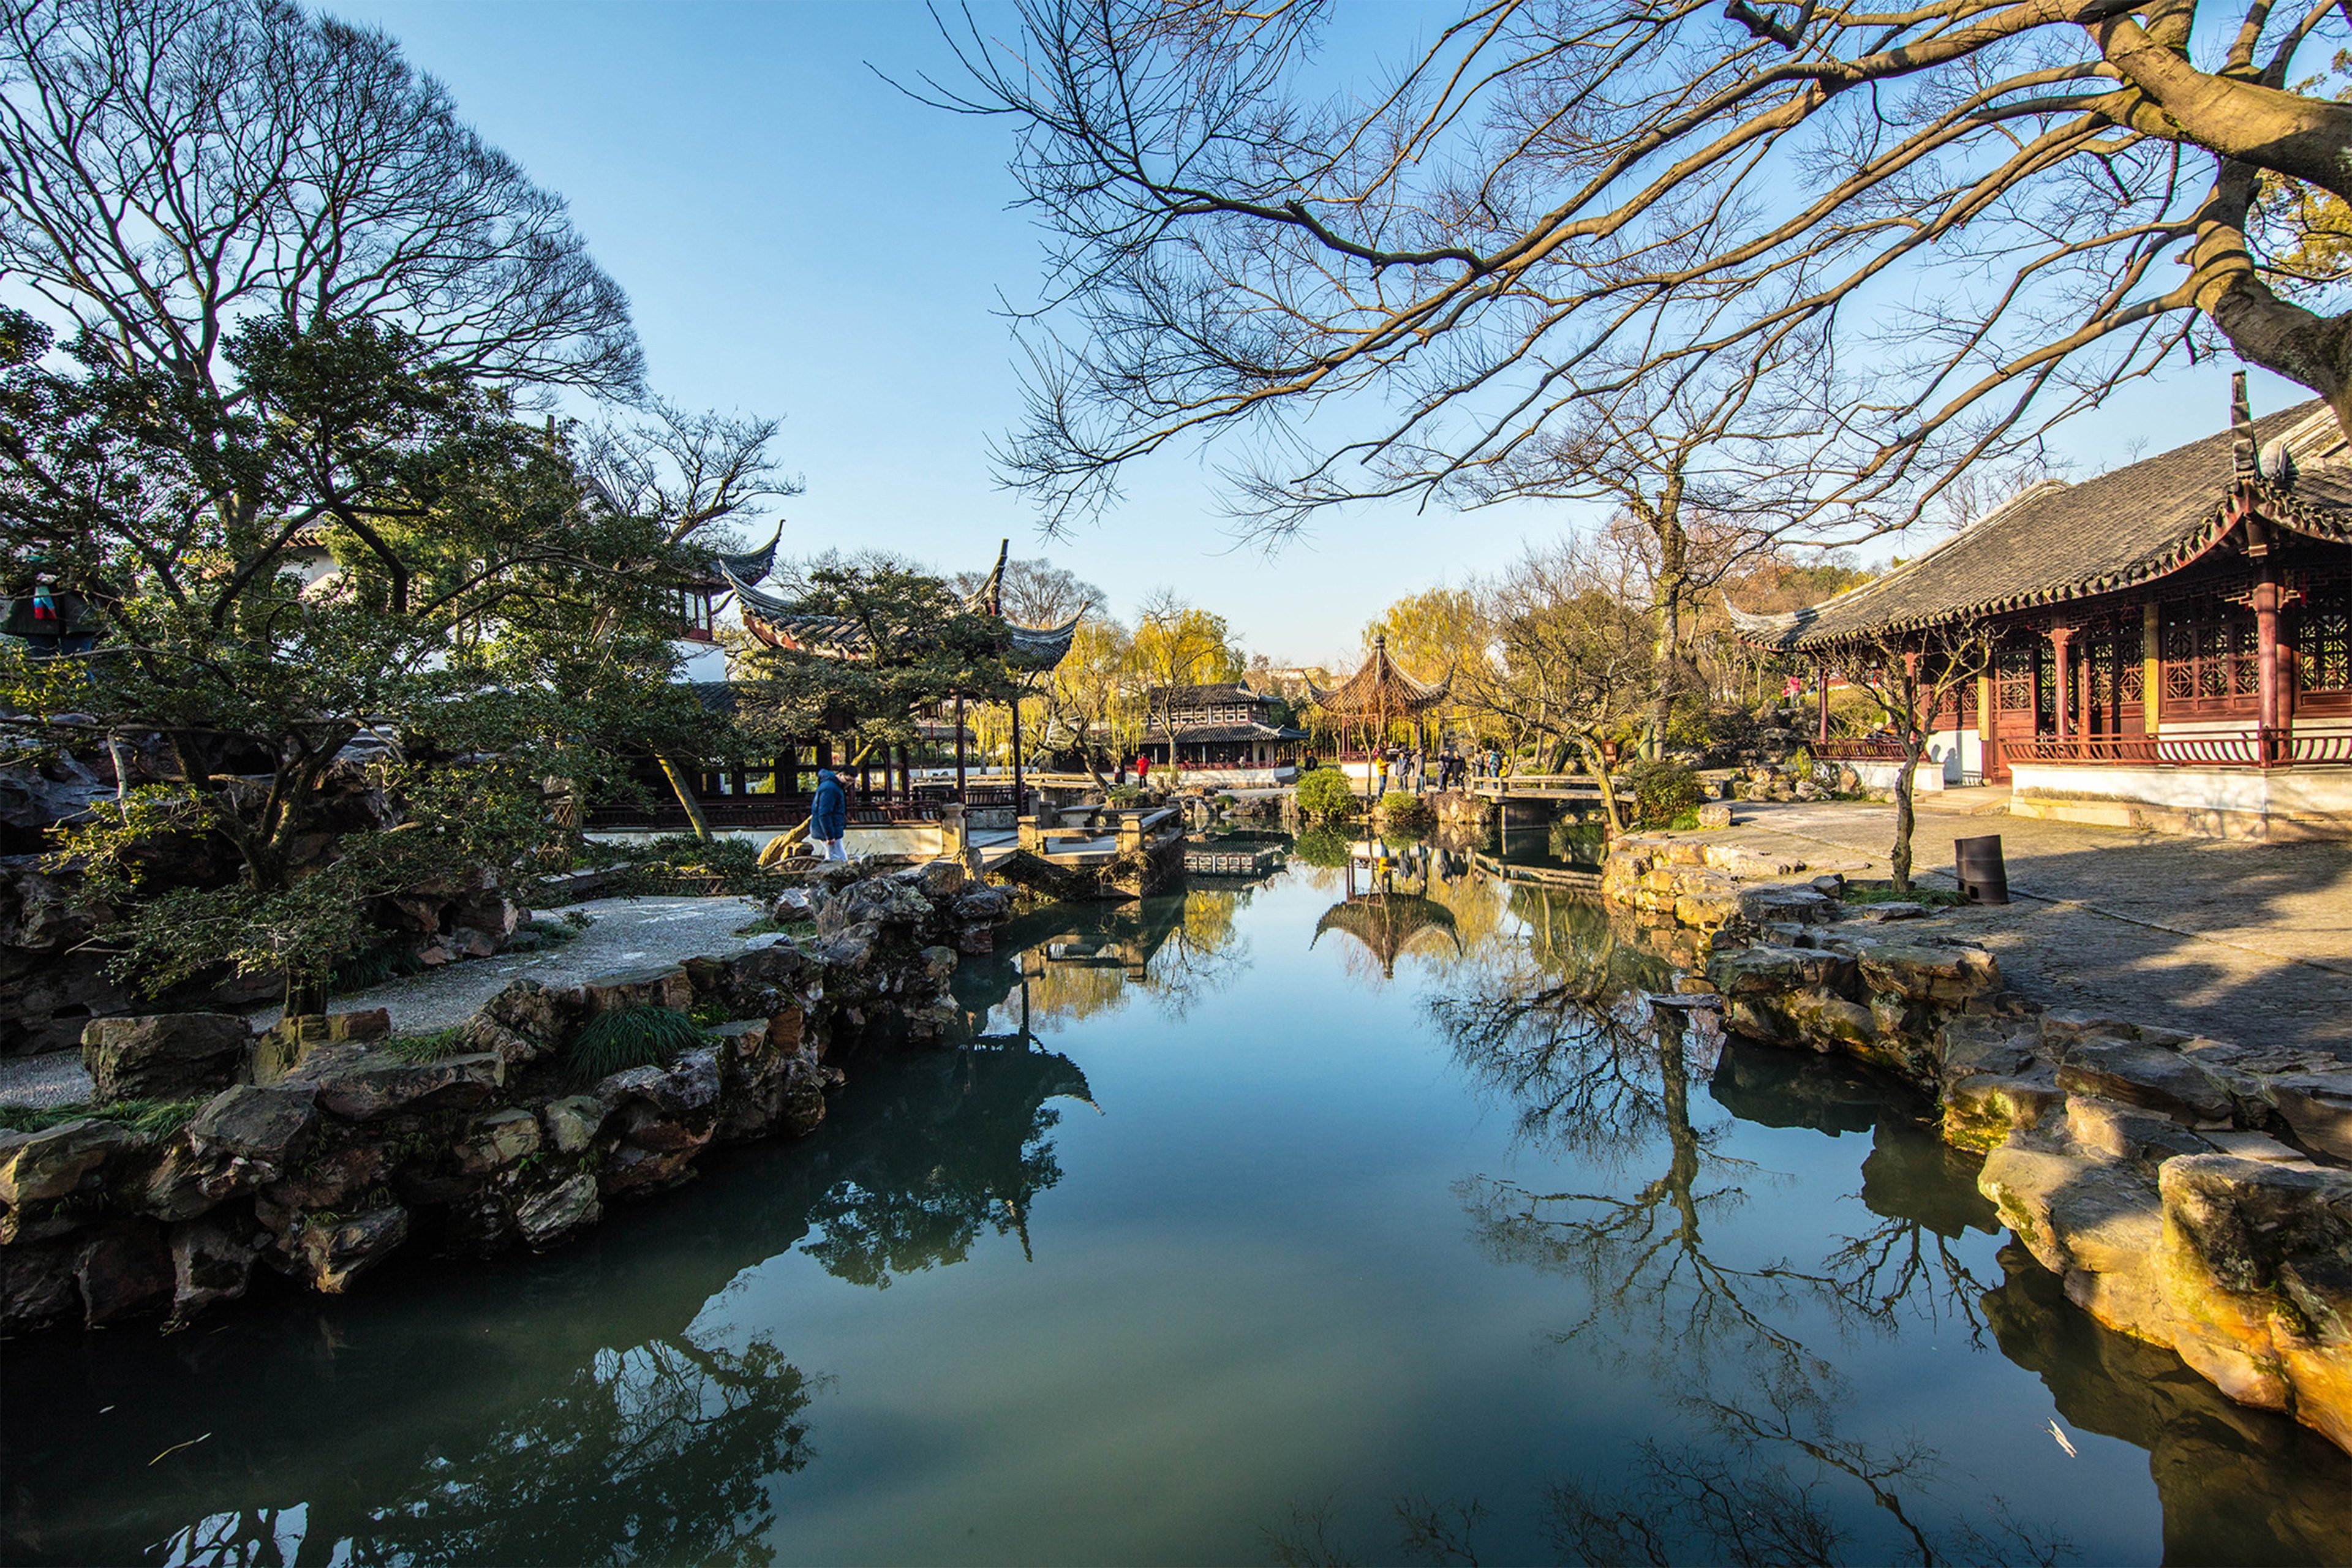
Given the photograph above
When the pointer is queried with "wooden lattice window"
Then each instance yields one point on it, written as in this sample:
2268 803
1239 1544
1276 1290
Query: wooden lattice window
2015 671
2323 641
2209 662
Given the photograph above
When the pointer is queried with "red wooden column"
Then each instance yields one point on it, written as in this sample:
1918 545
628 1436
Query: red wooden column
958 724
2266 658
2063 681
1823 699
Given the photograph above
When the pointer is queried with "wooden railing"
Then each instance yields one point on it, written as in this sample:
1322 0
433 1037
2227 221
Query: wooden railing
2256 748
1853 751
748 813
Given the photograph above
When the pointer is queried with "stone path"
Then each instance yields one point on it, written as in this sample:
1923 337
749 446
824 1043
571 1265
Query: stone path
628 933
2243 942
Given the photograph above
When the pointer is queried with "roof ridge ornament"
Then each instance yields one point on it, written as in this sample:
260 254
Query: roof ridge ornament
2244 460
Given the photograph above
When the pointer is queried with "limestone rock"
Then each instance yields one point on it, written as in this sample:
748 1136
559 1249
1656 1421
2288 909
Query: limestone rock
170 1056
1763 971
573 1122
2151 1076
653 987
269 1125
376 1084
1714 814
556 1214
210 1262
941 880
499 1139
36 1284
2318 1106
2075 1213
2124 1132
329 1256
1982 1110
1926 971
125 1268
38 1167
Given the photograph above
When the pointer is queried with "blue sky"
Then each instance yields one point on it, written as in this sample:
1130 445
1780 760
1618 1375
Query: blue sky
799 238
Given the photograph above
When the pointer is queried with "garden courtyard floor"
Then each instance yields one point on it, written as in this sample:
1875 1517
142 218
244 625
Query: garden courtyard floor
2243 942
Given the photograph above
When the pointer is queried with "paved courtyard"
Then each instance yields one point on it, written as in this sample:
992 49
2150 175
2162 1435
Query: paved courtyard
2242 942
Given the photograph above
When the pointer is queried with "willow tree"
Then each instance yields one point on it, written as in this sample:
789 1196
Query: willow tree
1989 212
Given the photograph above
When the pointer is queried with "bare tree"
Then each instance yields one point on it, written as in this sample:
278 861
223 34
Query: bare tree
1910 678
169 168
1571 656
684 470
1994 210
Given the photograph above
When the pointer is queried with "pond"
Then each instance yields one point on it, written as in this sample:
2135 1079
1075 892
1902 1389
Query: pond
1258 1224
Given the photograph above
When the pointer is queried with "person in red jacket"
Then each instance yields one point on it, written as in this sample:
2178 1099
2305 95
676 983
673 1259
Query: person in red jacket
1142 769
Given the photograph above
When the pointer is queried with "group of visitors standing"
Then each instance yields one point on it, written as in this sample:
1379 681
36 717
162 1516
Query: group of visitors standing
1454 769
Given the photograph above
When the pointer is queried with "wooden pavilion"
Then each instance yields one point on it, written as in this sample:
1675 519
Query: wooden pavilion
2171 641
1378 696
767 793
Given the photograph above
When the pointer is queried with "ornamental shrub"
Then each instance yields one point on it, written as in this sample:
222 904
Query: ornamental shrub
1326 795
629 1037
1662 792
1406 813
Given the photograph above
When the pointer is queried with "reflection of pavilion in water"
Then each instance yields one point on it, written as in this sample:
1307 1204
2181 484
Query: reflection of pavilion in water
1388 920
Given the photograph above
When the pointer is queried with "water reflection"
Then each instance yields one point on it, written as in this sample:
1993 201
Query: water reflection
600 1405
1557 1028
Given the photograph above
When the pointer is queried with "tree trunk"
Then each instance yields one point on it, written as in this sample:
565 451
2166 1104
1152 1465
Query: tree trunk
1612 816
1914 742
684 789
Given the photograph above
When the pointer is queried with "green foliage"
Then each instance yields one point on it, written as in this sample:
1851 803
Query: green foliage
1321 847
1325 796
662 862
1661 792
438 1046
921 649
485 628
374 967
155 1118
769 925
1405 813
1123 795
629 1037
1698 727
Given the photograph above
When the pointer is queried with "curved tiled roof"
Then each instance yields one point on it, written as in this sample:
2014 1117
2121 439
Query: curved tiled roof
2059 541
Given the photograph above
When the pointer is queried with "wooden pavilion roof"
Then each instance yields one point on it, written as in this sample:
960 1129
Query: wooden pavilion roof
1379 689
1388 923
2059 542
780 624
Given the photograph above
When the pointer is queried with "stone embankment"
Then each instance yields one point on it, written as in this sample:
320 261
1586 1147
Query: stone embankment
2190 1192
337 1152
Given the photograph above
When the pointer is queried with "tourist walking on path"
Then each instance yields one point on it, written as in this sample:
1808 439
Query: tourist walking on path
829 816
1142 769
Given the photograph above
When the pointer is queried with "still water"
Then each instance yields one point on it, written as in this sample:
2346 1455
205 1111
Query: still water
1257 1225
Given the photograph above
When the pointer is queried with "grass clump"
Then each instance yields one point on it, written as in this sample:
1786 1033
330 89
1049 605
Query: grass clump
628 1037
155 1118
438 1046
769 925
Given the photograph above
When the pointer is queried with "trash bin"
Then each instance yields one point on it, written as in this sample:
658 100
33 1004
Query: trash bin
1984 879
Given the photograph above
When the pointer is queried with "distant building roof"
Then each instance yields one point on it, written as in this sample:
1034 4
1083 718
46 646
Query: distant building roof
2059 541
1215 734
1208 694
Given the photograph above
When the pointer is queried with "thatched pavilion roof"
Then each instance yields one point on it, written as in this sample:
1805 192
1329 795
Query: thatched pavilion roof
1379 690
1388 923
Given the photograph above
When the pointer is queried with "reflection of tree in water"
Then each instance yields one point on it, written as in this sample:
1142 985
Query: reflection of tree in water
590 1406
957 1147
660 1452
1765 1477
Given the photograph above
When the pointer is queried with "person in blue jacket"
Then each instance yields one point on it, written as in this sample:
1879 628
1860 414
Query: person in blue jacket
829 816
